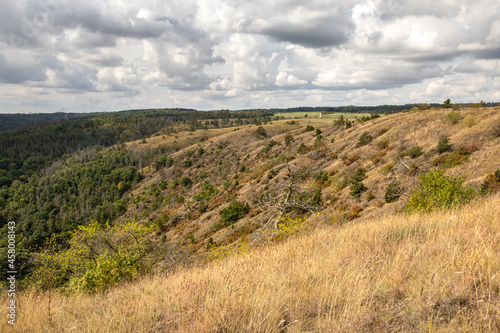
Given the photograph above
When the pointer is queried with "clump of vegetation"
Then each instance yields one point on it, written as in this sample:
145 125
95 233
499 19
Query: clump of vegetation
164 162
350 159
453 117
438 191
357 186
469 121
188 162
288 139
206 193
308 128
457 157
443 145
321 176
393 192
261 132
318 142
384 143
186 181
415 151
491 183
364 139
302 148
97 257
232 213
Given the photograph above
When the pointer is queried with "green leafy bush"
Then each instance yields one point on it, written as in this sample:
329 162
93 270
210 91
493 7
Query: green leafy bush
364 139
415 151
438 191
321 176
443 145
302 148
261 131
357 187
207 192
453 117
186 181
288 139
393 191
233 212
308 128
96 258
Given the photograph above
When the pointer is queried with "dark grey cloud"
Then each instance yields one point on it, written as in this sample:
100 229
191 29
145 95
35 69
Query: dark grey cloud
324 35
23 71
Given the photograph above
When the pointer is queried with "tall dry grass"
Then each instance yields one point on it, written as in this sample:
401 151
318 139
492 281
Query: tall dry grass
436 273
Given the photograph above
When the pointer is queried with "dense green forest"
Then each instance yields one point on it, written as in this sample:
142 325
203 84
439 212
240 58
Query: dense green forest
56 176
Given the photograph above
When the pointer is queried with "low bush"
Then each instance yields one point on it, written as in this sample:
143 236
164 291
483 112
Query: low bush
443 145
415 151
186 181
357 186
438 191
364 139
233 212
393 192
308 128
453 117
491 183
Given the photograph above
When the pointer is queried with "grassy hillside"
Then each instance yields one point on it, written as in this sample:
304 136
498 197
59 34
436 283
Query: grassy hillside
399 273
240 165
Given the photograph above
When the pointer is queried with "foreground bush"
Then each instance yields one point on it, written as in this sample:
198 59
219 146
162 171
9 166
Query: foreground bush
97 258
438 191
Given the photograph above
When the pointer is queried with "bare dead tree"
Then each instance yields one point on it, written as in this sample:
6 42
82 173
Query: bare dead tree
293 196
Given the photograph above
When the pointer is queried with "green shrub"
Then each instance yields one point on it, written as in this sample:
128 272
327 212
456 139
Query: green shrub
415 151
318 131
393 191
357 186
364 139
443 145
233 212
321 176
186 181
188 162
261 131
96 258
309 128
288 139
302 148
453 117
438 191
206 193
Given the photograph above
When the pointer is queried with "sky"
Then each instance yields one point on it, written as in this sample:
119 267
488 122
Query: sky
108 55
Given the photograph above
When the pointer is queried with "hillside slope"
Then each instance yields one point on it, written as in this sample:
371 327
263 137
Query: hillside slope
189 189
398 273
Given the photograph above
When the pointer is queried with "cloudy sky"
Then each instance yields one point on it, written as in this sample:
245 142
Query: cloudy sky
105 55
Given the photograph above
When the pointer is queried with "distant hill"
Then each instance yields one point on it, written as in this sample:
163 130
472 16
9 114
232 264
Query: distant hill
11 121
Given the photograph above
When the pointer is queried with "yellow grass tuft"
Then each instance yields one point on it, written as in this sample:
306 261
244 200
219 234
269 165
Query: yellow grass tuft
436 273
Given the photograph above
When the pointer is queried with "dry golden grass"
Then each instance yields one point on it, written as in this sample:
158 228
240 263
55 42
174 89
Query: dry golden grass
436 273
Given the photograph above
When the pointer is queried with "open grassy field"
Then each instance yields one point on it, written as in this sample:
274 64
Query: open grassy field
436 273
294 115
